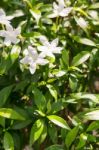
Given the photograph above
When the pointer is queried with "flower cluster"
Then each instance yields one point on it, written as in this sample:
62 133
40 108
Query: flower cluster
33 58
60 9
10 34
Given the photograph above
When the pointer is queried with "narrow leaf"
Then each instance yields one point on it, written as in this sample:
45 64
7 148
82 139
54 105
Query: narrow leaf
8 141
10 114
71 136
80 58
94 115
36 131
4 94
58 121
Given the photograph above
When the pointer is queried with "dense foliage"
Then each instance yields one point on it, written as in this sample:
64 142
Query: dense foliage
49 74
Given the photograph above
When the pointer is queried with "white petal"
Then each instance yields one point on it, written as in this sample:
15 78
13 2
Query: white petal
7 42
32 51
14 40
25 60
65 12
53 15
9 28
42 61
57 50
43 39
32 68
2 33
54 43
55 6
42 48
18 31
42 54
9 17
50 54
2 13
61 2
25 52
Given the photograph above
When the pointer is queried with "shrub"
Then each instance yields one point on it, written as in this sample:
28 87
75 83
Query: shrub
49 74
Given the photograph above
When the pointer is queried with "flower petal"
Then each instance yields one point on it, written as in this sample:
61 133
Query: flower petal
2 33
42 61
57 50
65 12
42 48
7 42
2 13
9 28
25 60
53 15
54 43
32 68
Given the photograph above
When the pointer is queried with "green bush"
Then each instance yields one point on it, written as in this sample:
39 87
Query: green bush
49 75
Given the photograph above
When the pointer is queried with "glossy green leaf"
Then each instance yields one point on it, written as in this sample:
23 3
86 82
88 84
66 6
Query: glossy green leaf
52 91
65 57
93 126
4 94
72 134
82 141
58 121
80 58
36 131
84 41
39 98
52 130
8 141
93 115
54 147
20 124
10 114
43 135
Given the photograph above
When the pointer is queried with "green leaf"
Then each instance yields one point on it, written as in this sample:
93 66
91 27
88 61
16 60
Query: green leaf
93 126
82 141
73 83
8 142
2 122
65 57
39 98
36 131
36 14
82 23
84 41
85 96
57 106
4 94
15 53
43 135
58 121
52 91
80 58
94 6
55 147
20 124
52 130
71 136
10 114
93 115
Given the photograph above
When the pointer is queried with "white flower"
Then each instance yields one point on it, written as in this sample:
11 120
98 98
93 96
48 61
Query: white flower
49 48
60 10
10 35
4 19
32 58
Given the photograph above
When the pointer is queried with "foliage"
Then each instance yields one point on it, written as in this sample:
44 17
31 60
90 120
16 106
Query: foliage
49 74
